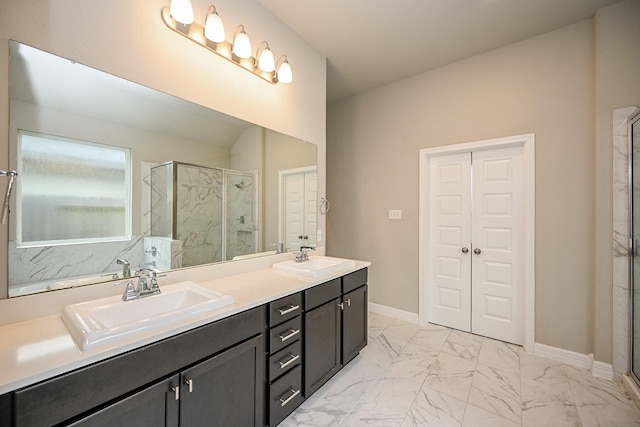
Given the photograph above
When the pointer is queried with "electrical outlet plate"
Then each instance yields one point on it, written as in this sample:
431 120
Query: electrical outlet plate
395 214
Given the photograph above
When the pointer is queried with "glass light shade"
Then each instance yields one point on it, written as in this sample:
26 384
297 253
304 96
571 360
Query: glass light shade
213 28
181 11
241 43
284 72
266 62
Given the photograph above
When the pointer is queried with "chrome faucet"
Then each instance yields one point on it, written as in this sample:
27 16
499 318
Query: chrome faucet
147 285
126 267
279 247
303 254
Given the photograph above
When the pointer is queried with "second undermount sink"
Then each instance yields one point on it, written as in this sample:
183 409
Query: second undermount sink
107 320
316 266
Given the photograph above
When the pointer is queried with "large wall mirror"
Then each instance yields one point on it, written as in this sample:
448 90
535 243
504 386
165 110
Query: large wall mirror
114 176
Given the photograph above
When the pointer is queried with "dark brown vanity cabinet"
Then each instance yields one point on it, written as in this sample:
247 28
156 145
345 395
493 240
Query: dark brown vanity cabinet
250 369
335 327
211 375
354 314
284 357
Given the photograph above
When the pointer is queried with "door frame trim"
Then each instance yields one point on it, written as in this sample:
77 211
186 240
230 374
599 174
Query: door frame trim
527 141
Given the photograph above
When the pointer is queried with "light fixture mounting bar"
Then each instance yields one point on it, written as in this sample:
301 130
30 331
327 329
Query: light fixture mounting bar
195 33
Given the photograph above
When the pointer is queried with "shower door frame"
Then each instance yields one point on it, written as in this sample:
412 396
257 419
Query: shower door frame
632 245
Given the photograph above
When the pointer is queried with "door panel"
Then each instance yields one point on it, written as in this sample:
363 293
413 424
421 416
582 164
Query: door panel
449 232
294 210
497 233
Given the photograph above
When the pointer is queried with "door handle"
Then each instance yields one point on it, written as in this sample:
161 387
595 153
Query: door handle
477 251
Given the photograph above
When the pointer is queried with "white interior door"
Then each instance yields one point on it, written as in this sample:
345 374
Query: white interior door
300 190
449 262
310 211
475 265
497 234
293 210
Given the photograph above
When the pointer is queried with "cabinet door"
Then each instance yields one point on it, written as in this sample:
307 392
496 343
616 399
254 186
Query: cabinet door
322 345
354 323
227 389
154 406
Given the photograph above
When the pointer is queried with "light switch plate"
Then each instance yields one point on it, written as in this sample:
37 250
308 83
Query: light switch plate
395 214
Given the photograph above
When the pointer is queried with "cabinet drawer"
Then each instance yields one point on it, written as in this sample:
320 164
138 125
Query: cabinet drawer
354 280
318 295
284 309
283 335
287 358
285 395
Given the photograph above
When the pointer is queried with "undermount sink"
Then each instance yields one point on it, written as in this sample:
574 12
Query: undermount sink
316 266
106 320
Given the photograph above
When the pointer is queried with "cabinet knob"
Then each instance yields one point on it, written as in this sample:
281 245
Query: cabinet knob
300 237
477 251
465 250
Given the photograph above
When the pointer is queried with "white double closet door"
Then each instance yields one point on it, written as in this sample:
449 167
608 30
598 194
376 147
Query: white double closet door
476 229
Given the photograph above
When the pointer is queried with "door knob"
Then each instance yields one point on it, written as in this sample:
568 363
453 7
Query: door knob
465 250
477 251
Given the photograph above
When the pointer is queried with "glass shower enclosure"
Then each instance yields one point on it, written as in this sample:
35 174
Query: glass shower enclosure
634 244
212 211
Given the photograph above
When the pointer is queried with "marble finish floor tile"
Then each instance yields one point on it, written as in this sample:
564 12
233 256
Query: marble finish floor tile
386 403
431 407
417 375
462 344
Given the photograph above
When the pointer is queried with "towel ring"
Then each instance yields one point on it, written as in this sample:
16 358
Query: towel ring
324 206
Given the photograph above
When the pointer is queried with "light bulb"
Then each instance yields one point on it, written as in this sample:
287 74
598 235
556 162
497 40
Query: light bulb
284 71
241 43
181 11
213 28
265 59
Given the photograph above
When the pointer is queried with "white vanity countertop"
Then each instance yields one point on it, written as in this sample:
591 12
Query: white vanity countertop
41 348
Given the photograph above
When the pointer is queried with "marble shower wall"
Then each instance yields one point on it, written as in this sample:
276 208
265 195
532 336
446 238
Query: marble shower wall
162 253
199 214
621 291
240 215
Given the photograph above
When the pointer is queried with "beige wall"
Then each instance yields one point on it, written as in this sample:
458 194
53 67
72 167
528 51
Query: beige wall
129 39
543 85
617 71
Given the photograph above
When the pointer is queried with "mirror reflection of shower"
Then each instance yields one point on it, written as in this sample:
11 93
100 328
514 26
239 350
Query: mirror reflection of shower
206 214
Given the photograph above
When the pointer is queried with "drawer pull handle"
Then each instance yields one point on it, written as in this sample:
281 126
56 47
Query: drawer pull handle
292 333
290 309
294 393
190 384
176 390
292 359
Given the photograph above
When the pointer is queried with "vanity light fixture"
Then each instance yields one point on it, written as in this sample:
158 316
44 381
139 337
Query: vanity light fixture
284 73
179 17
241 43
213 28
182 11
265 59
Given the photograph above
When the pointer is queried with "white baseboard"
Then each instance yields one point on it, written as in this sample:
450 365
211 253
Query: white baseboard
602 370
572 358
394 312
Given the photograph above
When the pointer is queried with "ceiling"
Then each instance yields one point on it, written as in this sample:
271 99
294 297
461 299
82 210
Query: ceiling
369 43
